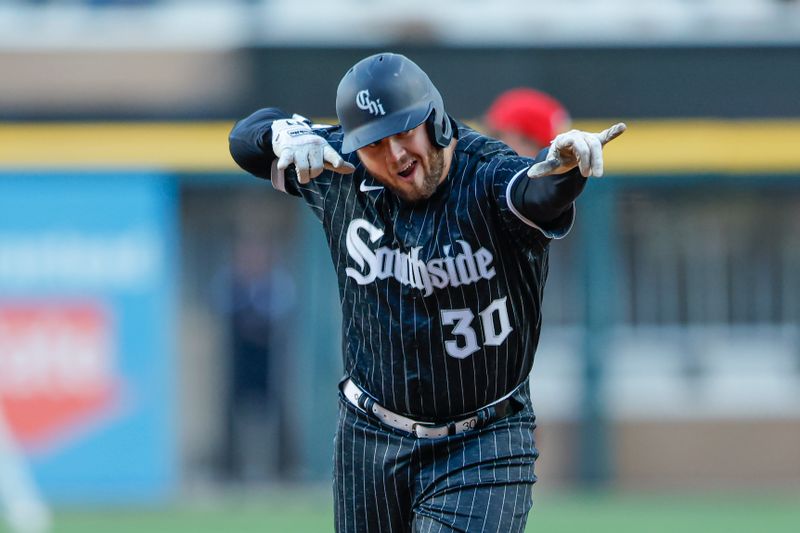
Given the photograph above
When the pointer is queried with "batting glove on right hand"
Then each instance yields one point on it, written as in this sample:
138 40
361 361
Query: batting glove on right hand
295 143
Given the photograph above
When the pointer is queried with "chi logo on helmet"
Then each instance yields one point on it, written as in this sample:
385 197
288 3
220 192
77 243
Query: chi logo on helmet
363 101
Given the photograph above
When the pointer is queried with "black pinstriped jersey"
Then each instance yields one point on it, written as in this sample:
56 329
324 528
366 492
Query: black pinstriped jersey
441 300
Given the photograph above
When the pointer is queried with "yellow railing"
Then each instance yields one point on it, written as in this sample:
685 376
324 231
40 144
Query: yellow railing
650 146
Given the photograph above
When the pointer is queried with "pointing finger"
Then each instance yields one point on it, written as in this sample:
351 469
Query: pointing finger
333 161
611 133
331 156
343 168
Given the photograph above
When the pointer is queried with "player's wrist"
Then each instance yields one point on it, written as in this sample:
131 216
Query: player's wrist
289 132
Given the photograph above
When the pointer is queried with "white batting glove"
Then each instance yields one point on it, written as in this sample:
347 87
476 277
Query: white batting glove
577 148
295 143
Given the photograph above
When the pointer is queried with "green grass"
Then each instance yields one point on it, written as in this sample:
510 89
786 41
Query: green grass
310 512
653 513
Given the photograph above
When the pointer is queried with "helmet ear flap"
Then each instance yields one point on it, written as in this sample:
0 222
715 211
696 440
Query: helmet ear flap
440 130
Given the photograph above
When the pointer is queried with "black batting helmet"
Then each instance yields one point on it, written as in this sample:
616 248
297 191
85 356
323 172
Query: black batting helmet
385 94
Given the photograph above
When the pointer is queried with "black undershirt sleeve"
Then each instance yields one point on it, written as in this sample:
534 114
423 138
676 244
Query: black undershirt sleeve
250 141
543 200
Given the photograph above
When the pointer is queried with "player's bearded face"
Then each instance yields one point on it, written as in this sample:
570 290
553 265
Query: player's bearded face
406 163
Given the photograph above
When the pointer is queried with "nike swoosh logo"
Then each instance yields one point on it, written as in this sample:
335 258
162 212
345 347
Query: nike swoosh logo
367 188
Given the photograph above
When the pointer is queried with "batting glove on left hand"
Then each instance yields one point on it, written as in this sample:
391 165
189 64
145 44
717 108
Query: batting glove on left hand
577 148
294 142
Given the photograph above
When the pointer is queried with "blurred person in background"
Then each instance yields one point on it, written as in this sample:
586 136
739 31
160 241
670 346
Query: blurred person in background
526 120
253 292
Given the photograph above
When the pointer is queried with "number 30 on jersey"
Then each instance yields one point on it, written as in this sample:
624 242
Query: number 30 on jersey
466 343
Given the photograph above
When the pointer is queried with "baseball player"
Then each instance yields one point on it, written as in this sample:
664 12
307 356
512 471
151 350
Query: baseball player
526 120
439 237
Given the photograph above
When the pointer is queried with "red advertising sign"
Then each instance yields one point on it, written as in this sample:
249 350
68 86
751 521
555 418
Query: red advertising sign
57 370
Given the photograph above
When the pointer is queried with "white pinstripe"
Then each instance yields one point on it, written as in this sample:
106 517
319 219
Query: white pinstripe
448 396
516 312
394 477
474 287
492 296
463 296
353 490
383 478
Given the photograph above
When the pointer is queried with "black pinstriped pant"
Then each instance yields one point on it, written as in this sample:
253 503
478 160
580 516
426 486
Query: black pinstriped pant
386 480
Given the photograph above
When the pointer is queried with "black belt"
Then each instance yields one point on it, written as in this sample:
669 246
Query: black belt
427 430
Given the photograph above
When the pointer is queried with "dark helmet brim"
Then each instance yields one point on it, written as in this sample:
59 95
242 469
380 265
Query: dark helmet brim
373 131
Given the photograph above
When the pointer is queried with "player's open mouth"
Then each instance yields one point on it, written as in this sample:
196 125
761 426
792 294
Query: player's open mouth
408 170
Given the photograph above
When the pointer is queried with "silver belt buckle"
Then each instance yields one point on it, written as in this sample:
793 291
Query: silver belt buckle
432 431
428 431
